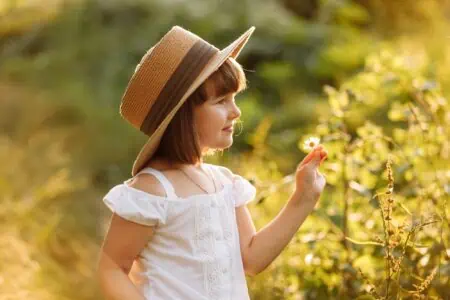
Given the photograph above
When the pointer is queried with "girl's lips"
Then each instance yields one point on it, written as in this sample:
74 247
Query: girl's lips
228 128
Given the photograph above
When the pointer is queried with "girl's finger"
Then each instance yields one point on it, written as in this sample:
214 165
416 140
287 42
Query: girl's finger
314 162
310 155
323 158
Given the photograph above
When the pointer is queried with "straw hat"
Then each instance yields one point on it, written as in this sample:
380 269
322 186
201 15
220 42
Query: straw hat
174 67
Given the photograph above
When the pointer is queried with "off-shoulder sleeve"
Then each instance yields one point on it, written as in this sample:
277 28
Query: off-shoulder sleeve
136 205
243 191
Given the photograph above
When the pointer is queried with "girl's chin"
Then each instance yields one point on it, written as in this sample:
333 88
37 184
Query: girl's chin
226 142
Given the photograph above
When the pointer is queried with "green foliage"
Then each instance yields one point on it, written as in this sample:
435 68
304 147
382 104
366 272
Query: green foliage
367 237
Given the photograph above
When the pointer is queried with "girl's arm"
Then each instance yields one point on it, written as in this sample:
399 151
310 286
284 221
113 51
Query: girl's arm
124 241
259 249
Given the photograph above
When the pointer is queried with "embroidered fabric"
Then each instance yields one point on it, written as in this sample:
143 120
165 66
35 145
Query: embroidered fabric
216 268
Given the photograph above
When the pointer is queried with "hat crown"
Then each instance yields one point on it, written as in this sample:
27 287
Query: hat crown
178 52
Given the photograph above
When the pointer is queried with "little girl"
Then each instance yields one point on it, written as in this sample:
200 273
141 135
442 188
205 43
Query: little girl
180 227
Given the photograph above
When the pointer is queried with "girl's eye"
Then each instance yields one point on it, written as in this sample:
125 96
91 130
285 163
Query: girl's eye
221 101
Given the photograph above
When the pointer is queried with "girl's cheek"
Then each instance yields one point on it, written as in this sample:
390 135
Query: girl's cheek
222 111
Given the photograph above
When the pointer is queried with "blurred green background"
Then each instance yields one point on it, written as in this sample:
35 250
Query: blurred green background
369 77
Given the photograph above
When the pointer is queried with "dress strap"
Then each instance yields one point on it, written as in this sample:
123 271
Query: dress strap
168 188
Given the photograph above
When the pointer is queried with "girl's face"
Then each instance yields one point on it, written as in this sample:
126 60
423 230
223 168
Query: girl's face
211 119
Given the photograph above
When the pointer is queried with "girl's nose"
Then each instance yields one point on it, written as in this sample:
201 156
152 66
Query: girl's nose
236 112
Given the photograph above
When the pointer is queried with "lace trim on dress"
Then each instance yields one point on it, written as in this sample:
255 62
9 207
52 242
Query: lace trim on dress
217 269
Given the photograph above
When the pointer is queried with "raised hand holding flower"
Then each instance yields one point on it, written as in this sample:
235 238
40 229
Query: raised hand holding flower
309 181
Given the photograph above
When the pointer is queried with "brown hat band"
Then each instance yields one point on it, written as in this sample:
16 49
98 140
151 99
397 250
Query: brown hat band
185 74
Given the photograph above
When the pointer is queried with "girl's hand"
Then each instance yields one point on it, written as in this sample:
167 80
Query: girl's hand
309 181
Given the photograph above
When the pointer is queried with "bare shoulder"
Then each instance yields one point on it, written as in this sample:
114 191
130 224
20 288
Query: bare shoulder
147 183
227 172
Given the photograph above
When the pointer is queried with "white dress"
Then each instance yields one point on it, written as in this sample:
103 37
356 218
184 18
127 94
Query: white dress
194 253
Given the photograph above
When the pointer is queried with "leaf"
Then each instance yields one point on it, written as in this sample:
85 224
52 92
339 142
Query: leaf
353 12
367 264
398 112
363 242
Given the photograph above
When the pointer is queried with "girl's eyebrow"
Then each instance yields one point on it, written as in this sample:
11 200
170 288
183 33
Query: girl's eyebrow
224 96
213 99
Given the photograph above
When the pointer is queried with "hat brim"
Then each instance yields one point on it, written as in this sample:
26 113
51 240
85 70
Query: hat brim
216 61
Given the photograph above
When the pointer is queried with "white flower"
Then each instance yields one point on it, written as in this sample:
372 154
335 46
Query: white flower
311 143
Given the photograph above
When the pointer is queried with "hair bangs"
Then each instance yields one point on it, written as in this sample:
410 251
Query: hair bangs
229 78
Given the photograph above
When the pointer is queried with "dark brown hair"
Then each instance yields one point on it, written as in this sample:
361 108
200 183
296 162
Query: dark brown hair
180 144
